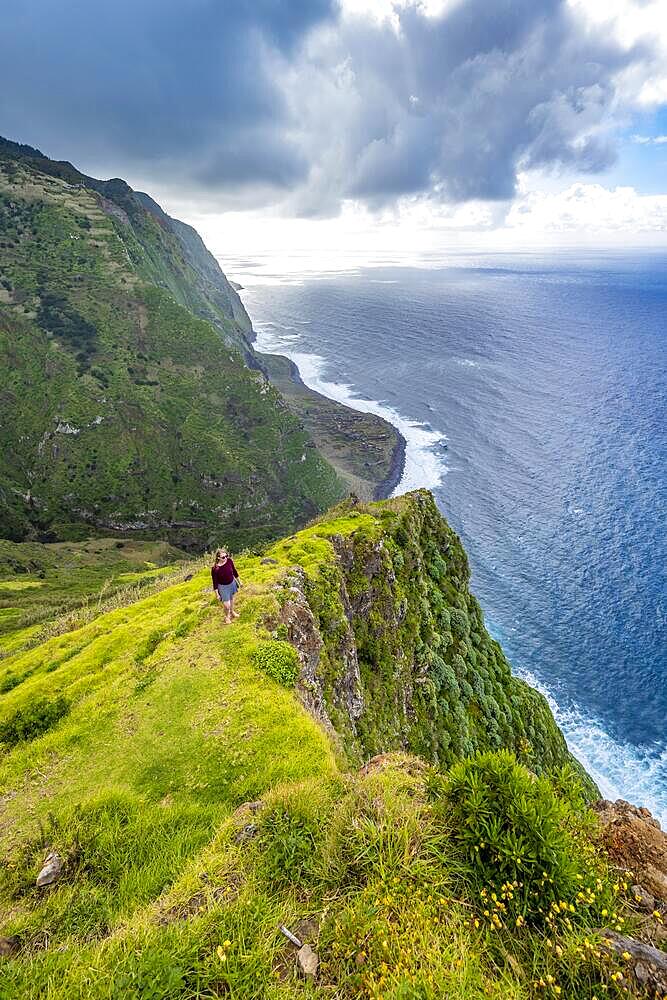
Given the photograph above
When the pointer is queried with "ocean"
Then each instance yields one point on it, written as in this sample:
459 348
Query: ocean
531 391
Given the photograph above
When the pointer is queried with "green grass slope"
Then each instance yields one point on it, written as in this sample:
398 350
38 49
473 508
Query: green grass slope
68 580
121 410
196 803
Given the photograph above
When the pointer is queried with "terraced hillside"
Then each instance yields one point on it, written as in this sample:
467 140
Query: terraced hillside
194 786
121 410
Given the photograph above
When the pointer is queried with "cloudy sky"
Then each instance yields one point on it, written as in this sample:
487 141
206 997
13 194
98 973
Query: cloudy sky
366 123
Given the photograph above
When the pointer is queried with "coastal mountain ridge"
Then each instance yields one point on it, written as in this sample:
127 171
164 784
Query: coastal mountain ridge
154 414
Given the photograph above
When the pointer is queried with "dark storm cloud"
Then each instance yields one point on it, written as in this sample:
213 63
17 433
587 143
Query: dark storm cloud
281 100
188 83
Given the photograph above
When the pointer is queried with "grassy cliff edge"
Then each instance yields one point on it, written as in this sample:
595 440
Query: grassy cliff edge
199 785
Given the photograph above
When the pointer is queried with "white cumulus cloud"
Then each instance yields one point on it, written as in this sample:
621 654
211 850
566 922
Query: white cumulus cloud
589 209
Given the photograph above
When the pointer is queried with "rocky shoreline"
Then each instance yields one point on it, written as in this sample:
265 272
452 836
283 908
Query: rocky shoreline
367 451
385 489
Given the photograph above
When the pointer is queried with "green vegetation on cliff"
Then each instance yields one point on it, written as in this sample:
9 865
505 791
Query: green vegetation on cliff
133 400
403 657
199 786
121 409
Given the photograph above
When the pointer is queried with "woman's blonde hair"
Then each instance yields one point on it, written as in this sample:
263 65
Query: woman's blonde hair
218 553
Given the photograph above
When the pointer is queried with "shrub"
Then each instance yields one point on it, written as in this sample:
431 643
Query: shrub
517 839
477 683
467 692
437 567
492 707
470 654
460 623
459 665
33 720
279 660
10 681
445 619
449 687
444 677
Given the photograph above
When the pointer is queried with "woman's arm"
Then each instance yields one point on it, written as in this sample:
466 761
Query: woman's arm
236 575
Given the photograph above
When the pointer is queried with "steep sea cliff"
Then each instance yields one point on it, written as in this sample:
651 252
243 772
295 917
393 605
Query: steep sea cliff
531 390
158 418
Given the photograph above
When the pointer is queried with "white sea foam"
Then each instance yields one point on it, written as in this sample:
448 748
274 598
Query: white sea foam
620 770
423 467
466 362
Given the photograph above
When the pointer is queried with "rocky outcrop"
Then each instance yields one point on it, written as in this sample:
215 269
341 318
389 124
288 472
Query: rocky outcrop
51 870
307 962
393 649
647 965
304 634
634 840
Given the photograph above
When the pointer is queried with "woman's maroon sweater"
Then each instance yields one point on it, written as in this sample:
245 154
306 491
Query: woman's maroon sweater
224 573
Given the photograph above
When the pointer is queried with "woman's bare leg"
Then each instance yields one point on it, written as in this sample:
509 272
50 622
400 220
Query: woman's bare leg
235 614
228 612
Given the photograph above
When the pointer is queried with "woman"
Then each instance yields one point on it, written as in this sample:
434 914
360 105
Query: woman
225 582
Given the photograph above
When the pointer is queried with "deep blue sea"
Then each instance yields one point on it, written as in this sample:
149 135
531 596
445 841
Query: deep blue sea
532 393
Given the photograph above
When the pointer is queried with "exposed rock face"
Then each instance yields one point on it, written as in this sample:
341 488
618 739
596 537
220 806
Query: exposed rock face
304 634
634 840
